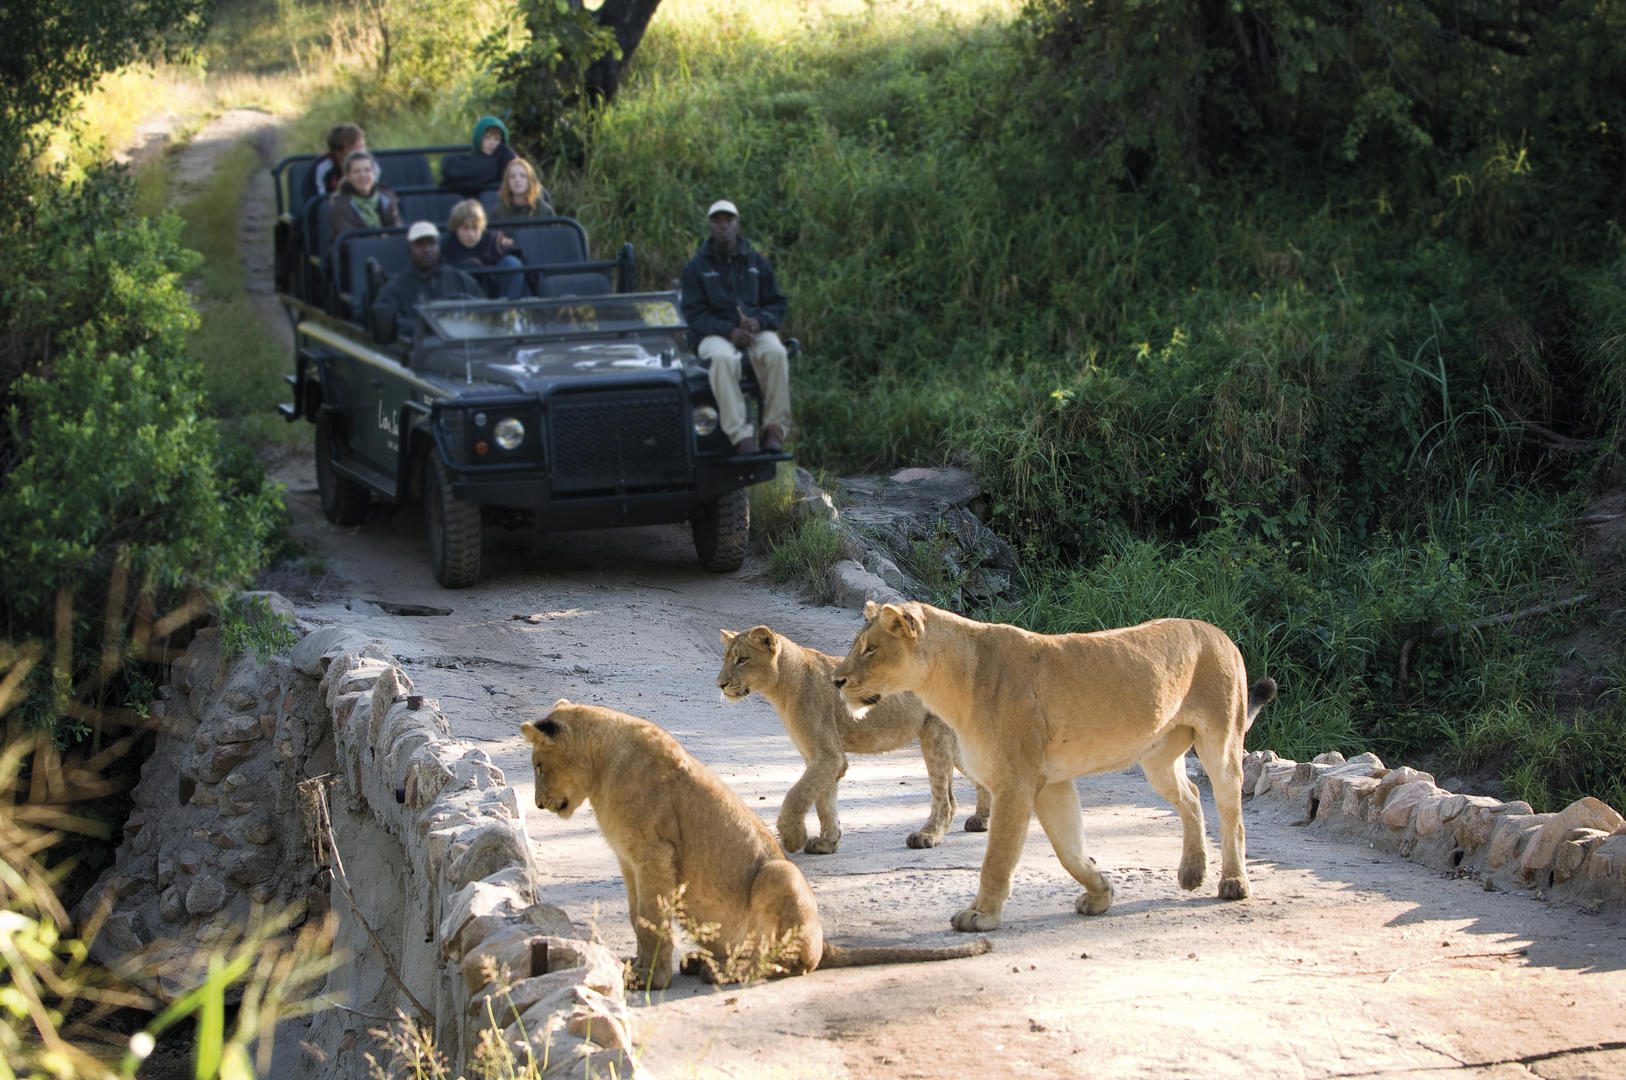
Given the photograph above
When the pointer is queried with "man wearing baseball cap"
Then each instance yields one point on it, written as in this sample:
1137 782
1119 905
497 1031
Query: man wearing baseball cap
425 278
734 309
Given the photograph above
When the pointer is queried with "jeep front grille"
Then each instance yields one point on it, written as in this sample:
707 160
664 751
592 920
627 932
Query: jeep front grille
618 440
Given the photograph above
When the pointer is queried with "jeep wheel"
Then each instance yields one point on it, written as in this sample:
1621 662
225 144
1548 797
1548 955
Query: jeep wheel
722 528
344 502
453 528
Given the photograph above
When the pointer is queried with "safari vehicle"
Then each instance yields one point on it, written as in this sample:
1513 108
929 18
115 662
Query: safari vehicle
581 407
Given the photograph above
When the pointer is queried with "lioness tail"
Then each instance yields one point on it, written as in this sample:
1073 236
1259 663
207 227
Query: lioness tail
841 956
1260 694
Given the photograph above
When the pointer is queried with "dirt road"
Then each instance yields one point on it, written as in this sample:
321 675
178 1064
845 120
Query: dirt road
1346 963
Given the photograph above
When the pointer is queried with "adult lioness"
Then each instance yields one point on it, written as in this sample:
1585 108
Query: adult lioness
796 682
684 840
1033 711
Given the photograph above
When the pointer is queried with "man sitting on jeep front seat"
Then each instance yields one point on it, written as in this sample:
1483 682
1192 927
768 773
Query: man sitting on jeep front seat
426 278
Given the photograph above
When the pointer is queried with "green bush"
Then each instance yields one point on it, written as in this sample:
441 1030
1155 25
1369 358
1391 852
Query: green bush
113 470
1345 629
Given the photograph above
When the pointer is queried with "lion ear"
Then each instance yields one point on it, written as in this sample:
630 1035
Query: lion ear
899 622
763 638
870 608
728 637
540 732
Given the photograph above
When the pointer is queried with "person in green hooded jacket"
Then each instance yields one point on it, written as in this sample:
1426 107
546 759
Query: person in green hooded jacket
482 170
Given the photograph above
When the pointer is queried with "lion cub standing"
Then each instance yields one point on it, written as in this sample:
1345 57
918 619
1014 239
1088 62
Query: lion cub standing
1033 711
684 840
796 681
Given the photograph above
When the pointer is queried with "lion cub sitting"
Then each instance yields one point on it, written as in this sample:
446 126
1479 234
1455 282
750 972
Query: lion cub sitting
797 682
687 843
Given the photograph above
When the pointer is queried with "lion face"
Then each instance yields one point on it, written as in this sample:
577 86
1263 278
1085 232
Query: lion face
750 660
884 658
563 778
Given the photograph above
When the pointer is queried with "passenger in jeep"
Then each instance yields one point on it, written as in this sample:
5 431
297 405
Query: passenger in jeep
734 309
342 141
471 246
426 278
361 201
522 194
482 170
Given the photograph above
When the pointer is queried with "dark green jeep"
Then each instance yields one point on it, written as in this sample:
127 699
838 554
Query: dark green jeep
579 408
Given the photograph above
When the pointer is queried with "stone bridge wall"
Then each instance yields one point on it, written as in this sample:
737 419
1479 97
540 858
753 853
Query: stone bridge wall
323 782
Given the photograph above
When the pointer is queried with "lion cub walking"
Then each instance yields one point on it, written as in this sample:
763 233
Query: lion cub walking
685 841
1033 711
796 681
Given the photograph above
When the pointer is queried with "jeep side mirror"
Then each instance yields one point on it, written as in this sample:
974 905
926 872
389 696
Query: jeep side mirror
386 329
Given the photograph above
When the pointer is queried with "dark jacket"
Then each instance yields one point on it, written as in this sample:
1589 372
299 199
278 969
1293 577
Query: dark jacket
469 174
487 252
343 216
717 289
501 211
411 287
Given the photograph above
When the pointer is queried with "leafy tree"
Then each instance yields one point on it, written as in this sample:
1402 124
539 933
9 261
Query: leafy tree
54 51
541 83
117 493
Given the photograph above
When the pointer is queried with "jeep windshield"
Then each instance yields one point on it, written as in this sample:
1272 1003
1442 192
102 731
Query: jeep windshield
492 320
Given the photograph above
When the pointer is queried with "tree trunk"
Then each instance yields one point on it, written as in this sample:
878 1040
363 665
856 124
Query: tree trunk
628 19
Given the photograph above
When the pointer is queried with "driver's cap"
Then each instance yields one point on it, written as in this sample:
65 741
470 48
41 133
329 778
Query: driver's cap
421 230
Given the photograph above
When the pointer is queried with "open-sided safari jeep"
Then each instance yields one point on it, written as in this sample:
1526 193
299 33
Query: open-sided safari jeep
582 407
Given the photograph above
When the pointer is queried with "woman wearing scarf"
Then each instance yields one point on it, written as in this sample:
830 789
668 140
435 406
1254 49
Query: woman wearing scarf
361 202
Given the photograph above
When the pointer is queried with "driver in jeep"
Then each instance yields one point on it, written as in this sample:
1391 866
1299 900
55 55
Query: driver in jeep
426 278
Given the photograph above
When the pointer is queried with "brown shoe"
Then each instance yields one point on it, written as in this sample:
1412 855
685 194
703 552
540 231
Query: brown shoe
747 445
773 438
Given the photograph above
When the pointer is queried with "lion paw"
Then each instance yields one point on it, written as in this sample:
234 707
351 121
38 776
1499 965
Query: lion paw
1094 903
821 846
793 836
1234 888
976 823
1192 873
971 920
924 839
638 976
700 965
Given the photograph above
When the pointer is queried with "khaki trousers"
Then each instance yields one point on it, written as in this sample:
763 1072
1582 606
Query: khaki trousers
772 367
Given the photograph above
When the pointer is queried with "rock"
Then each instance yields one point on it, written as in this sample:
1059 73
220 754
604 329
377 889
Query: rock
491 849
252 866
317 648
1403 801
1396 778
205 896
852 586
1331 757
1510 836
236 729
600 1019
1587 813
1572 854
214 768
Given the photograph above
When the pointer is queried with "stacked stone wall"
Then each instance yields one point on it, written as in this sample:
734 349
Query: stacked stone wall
1576 854
323 782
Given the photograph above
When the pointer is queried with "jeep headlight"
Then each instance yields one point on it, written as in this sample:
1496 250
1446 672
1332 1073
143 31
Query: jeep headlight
510 433
705 420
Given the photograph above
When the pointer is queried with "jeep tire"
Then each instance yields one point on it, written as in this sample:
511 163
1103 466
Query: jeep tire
344 502
722 529
452 528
